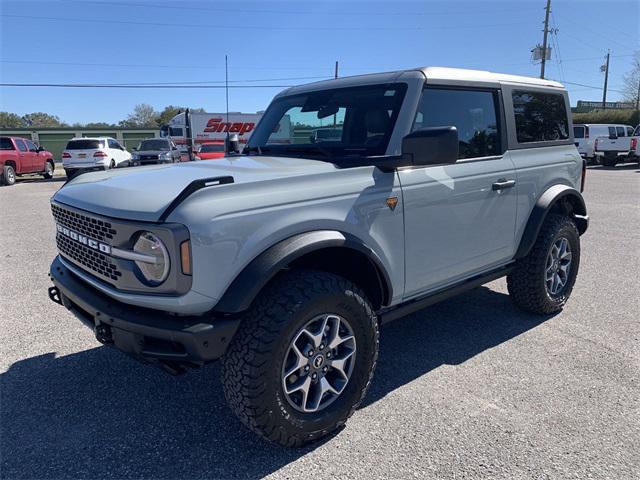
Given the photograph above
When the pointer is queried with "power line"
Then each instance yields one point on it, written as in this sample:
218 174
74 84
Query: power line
366 12
106 85
253 27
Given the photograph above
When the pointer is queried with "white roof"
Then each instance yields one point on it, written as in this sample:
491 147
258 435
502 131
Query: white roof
461 74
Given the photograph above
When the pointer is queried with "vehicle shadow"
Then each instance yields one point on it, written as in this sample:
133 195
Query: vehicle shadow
61 179
619 166
98 413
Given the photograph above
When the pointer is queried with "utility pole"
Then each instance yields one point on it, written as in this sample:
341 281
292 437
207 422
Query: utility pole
335 76
544 38
606 79
638 96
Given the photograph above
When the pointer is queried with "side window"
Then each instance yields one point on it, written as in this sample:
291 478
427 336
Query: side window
31 146
6 144
21 145
612 132
620 131
113 143
472 112
629 131
540 117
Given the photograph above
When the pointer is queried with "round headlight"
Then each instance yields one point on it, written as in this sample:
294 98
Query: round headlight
155 268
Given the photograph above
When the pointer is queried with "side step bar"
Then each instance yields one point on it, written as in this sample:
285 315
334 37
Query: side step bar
413 306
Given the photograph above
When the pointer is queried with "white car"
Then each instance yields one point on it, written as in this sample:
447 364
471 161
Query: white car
585 135
95 153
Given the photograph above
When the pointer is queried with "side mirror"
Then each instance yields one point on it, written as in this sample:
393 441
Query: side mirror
40 149
431 146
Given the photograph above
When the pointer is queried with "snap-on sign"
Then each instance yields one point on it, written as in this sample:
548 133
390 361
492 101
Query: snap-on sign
217 125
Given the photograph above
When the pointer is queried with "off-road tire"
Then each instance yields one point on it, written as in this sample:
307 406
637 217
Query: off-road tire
526 282
48 173
8 176
252 366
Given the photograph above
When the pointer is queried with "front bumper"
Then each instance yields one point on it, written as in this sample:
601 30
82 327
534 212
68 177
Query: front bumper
148 335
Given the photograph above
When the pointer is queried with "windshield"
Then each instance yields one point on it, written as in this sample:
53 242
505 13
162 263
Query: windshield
212 147
84 144
154 145
330 124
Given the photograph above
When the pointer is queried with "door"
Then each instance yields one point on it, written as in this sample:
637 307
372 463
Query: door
36 161
24 156
460 218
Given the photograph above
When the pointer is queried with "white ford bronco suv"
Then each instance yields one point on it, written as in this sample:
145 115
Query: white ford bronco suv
283 261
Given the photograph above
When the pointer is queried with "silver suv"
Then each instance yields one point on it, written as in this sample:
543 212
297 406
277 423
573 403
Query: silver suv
283 262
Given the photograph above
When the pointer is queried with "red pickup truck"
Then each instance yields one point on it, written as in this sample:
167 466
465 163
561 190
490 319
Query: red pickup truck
19 156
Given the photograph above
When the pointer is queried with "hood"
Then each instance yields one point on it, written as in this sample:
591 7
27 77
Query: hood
143 193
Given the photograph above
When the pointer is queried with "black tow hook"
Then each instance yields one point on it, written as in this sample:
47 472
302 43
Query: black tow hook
103 334
54 295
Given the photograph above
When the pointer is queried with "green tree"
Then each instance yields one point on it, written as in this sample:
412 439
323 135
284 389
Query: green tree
41 120
143 115
10 120
99 125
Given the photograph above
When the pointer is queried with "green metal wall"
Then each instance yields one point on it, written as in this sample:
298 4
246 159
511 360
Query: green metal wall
55 143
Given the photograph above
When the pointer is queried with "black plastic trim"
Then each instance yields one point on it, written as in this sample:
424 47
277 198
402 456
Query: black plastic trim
191 188
146 334
248 284
542 207
419 303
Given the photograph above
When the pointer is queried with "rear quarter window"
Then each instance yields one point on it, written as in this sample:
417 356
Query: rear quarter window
84 144
6 144
578 132
540 116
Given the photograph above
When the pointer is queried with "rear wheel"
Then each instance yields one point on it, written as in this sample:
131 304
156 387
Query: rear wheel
302 359
70 172
48 169
542 281
112 164
8 175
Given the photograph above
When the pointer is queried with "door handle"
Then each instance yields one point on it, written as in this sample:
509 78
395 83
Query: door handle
503 183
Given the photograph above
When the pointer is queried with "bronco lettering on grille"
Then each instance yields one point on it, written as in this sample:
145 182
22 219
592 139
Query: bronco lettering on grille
83 239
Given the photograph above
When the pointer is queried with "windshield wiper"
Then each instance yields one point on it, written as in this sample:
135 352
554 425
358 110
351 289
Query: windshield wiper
308 149
257 149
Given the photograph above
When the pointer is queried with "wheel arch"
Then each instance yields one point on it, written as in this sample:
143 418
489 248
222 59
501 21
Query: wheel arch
560 199
327 250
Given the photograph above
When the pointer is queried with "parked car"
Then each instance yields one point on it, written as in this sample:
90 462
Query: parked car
155 150
20 156
614 147
88 154
285 263
211 151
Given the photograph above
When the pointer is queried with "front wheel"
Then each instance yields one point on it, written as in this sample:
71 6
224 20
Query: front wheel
542 281
303 357
48 170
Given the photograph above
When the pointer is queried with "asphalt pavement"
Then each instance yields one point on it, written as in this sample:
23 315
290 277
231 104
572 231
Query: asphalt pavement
469 388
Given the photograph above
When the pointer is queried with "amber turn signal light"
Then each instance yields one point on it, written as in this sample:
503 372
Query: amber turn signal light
185 257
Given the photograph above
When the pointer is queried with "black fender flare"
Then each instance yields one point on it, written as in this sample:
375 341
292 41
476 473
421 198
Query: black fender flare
562 195
252 279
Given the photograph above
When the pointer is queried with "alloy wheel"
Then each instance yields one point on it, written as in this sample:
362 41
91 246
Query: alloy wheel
318 363
558 266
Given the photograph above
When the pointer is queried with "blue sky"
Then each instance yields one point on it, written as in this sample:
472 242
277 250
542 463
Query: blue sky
290 42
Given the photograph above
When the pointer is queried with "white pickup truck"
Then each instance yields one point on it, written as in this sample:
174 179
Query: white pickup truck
615 147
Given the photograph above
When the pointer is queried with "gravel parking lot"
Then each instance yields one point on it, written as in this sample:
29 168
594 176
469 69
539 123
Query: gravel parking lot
469 388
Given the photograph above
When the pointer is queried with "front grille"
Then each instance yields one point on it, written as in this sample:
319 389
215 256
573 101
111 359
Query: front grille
87 257
89 226
149 157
